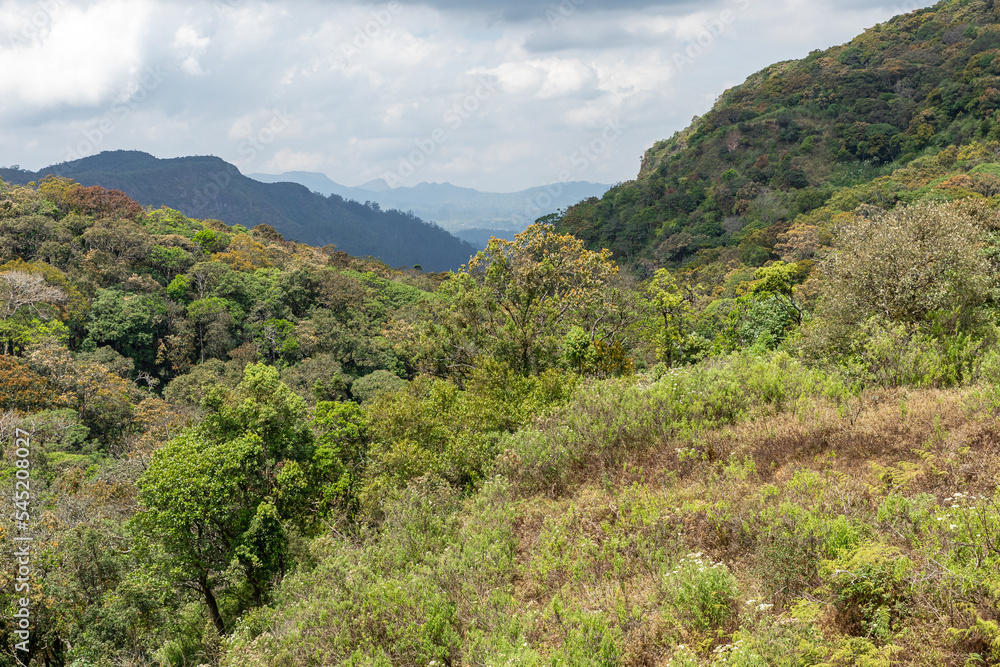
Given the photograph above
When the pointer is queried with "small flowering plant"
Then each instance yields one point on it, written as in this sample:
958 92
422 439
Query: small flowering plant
971 524
701 592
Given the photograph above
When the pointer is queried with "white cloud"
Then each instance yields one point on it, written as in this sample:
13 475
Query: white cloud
67 55
190 46
366 83
289 160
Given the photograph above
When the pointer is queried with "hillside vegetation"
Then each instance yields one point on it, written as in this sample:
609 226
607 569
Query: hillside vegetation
773 152
777 447
250 451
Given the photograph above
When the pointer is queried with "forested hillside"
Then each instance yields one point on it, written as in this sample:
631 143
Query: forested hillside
777 445
208 187
752 171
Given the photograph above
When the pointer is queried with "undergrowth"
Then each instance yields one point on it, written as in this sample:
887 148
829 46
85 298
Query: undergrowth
748 511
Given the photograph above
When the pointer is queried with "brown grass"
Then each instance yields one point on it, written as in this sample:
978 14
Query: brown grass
899 441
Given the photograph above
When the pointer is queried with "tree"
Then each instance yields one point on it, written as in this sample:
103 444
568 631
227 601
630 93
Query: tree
101 398
671 307
21 388
519 298
910 265
102 203
170 261
341 452
275 338
200 500
213 325
210 496
25 301
768 310
129 323
212 241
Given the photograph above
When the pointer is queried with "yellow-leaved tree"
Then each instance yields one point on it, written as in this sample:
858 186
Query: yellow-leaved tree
533 303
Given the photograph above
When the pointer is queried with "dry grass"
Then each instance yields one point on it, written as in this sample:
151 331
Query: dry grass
902 442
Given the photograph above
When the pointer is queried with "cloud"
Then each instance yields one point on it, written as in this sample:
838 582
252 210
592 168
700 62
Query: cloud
288 160
190 46
494 95
66 55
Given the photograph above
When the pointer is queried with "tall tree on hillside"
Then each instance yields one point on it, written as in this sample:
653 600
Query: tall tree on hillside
530 291
26 300
210 496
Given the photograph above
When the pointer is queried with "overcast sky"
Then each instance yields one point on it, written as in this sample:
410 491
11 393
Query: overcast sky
498 95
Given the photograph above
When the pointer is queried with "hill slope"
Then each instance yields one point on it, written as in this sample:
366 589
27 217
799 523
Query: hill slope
208 187
783 142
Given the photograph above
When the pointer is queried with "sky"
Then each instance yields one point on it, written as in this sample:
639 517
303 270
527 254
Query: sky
499 95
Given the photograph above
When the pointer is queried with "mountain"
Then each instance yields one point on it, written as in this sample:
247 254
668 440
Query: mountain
795 134
453 207
208 187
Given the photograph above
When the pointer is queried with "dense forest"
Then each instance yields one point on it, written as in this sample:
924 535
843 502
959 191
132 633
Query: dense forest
773 441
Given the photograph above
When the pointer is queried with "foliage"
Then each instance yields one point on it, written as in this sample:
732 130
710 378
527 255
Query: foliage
908 263
209 188
529 290
701 592
209 494
766 436
373 384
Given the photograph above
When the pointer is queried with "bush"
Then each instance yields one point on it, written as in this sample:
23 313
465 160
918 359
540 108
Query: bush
872 586
609 418
701 593
906 265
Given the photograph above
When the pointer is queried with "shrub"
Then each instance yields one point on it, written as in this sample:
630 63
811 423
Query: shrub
872 586
606 420
702 593
905 265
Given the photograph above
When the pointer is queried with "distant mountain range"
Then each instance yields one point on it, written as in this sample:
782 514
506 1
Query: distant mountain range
208 187
467 213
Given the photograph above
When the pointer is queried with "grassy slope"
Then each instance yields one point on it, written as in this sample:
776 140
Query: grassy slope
743 512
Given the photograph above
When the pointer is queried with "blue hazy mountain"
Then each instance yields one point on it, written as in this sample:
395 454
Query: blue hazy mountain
467 213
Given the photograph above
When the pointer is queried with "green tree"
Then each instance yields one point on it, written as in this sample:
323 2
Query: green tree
520 298
209 499
341 453
672 308
768 310
129 323
213 325
200 499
